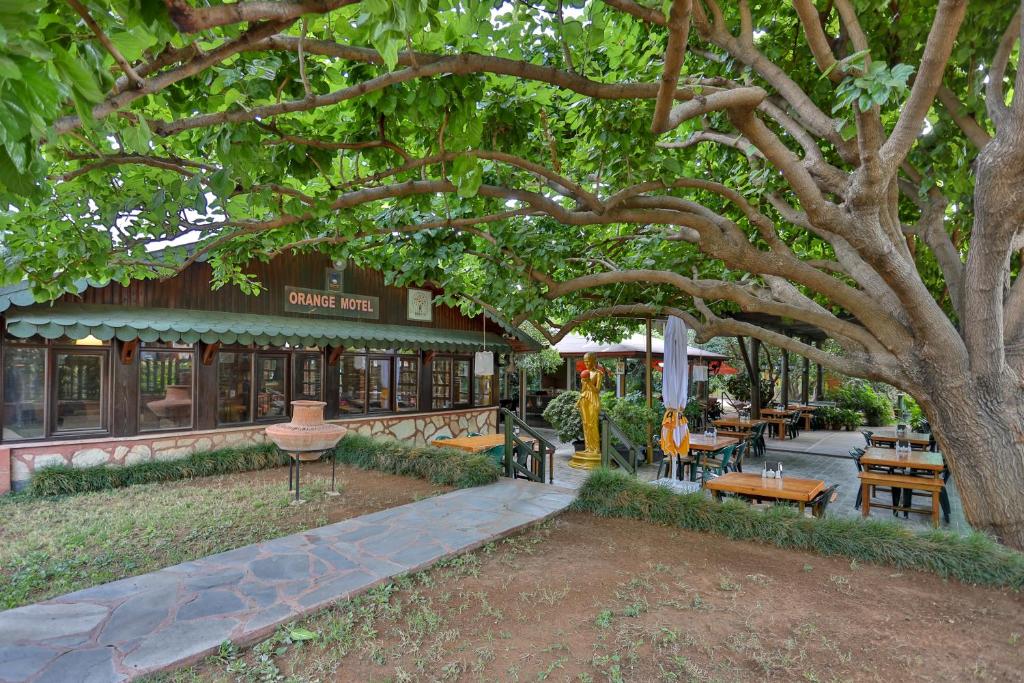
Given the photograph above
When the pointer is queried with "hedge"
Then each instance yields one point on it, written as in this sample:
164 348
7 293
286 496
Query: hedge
973 558
446 466
64 479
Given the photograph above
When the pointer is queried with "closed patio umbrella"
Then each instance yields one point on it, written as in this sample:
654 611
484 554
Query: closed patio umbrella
675 433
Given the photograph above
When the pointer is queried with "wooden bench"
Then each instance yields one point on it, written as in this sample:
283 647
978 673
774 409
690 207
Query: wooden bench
932 485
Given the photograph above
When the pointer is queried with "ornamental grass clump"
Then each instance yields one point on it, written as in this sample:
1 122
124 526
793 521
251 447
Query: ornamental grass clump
973 558
65 480
445 466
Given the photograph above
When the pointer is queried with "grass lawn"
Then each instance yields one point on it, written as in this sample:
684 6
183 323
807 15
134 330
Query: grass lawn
51 546
583 598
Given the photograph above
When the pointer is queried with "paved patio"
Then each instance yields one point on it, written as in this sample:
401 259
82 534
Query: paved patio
815 455
120 630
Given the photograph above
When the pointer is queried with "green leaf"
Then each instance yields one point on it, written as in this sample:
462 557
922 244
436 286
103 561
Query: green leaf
301 634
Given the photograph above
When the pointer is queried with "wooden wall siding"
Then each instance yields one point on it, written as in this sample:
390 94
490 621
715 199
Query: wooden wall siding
191 289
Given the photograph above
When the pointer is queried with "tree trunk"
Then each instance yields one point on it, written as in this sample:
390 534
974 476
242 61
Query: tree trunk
980 431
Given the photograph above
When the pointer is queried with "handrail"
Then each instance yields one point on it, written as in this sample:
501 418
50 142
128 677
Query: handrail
611 429
545 449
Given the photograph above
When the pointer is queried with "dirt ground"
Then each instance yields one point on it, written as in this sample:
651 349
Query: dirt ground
589 599
363 491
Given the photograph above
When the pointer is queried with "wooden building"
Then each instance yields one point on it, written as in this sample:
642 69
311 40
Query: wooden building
158 369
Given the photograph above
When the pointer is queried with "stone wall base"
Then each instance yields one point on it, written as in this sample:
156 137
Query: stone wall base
19 463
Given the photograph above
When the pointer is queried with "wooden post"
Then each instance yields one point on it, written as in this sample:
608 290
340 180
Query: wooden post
805 380
568 373
522 394
819 380
785 376
755 378
650 395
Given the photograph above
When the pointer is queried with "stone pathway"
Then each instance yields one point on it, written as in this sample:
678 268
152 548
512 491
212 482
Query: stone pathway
120 630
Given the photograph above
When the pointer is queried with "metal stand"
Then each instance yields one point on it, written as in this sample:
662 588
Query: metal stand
295 463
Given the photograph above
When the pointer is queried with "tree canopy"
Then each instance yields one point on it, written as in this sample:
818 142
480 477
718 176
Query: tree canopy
558 161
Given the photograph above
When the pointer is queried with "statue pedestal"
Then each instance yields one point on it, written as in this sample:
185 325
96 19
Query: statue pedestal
585 460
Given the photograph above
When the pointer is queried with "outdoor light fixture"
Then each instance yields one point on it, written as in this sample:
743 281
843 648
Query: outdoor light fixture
89 341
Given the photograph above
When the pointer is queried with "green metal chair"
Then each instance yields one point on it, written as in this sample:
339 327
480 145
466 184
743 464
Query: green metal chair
497 454
475 434
738 455
443 437
717 464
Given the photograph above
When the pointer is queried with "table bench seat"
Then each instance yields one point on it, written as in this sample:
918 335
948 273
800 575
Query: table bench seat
932 485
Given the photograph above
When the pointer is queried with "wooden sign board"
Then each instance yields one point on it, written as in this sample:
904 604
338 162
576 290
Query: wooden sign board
337 304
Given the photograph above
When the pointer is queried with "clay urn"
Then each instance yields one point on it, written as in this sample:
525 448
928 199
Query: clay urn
306 432
177 402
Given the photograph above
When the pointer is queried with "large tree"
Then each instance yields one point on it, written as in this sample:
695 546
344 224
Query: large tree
854 167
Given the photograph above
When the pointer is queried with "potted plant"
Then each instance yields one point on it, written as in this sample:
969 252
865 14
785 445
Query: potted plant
849 419
564 417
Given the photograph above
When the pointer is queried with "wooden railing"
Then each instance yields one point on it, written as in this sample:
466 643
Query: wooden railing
610 430
523 458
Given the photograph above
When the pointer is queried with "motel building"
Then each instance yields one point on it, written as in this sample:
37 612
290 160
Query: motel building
158 369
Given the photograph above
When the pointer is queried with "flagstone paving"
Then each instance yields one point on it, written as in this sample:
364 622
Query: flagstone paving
120 630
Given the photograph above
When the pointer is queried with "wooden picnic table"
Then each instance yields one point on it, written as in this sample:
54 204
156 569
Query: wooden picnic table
887 436
889 457
750 485
922 471
737 424
476 444
778 418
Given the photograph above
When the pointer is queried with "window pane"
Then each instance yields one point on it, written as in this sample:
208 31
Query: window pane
352 384
483 390
380 383
441 389
307 377
234 387
271 400
165 389
79 392
24 393
461 382
407 390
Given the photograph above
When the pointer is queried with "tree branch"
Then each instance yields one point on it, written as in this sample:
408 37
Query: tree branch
937 49
190 19
675 52
126 67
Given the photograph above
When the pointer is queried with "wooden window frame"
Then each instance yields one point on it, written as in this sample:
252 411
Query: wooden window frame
105 390
416 388
195 360
298 357
366 385
252 387
469 400
285 356
390 358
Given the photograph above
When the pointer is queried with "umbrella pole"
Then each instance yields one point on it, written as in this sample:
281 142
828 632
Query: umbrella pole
650 398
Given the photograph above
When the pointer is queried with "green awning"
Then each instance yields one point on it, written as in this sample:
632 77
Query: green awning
78 321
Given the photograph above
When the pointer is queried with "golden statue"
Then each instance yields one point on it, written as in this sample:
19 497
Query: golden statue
589 406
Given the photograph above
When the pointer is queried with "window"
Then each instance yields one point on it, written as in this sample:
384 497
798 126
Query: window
407 384
271 399
165 389
483 390
79 394
306 374
24 395
352 384
379 384
461 380
441 383
234 387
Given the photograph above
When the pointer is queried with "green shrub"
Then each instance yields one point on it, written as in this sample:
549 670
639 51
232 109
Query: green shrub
563 415
64 479
633 417
857 394
974 558
444 466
